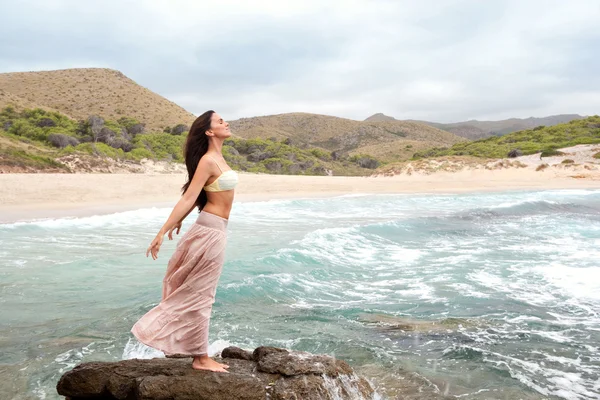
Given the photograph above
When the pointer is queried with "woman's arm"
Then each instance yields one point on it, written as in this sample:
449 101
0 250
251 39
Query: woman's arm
178 224
187 213
185 204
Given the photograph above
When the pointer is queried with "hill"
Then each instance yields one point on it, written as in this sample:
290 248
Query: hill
474 129
482 129
545 140
380 117
385 140
34 140
82 92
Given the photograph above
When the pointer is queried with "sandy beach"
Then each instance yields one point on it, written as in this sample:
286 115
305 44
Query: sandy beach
33 196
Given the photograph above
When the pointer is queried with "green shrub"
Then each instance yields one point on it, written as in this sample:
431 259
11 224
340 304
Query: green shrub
61 141
141 152
43 128
164 146
551 153
539 139
321 154
365 161
20 158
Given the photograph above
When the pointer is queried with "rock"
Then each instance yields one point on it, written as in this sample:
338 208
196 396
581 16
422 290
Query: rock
105 135
137 129
320 170
293 169
392 322
179 129
367 162
304 165
514 153
263 351
46 122
258 155
294 364
60 140
268 372
121 143
273 165
254 148
236 352
232 150
337 155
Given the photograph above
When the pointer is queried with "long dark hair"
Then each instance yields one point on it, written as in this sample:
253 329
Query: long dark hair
196 146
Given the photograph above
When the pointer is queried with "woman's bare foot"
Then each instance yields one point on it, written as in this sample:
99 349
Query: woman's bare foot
208 364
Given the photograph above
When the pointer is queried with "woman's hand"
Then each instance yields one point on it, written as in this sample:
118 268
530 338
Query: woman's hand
155 246
178 227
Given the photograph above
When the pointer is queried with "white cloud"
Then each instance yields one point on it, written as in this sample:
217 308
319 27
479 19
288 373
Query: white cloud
437 60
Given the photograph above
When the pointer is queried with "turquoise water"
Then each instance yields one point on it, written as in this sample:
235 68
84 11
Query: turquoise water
502 290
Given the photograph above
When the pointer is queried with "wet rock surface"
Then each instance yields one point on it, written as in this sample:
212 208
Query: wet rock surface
266 373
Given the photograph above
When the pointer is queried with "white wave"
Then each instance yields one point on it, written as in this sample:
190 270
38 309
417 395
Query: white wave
576 282
124 218
559 337
135 349
511 204
302 304
523 318
468 290
566 385
421 291
571 192
217 347
488 280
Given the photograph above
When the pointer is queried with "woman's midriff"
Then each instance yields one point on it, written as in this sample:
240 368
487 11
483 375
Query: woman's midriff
219 203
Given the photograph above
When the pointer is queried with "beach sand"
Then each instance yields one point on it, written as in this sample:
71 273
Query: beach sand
34 196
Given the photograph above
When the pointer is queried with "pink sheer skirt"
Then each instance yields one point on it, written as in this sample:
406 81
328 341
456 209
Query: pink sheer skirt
179 323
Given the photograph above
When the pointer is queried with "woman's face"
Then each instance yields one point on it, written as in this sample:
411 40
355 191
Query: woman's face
219 127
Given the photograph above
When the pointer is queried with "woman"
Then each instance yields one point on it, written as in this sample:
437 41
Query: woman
179 323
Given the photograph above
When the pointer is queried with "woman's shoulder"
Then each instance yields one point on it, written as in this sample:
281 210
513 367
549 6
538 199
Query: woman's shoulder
207 159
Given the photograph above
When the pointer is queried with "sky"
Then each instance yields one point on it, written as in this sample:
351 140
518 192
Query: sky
435 60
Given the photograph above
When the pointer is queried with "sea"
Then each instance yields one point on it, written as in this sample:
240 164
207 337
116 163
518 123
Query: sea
468 296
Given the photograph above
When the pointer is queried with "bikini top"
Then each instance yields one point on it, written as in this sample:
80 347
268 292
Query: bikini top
228 180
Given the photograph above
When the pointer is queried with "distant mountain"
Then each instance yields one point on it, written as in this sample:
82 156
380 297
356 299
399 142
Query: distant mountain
81 92
545 140
379 117
387 140
474 129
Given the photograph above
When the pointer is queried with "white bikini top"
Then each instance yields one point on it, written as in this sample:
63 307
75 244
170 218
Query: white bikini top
228 180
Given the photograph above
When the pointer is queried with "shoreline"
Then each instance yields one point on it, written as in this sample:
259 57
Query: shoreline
27 197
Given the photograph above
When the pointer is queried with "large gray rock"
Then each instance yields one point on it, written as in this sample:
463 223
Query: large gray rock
258 156
266 373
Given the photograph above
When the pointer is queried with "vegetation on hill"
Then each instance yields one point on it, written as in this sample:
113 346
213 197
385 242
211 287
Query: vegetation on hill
474 129
345 136
483 129
37 139
81 92
540 139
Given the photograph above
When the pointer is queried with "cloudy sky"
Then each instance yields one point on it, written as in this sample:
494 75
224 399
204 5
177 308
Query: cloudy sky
438 60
